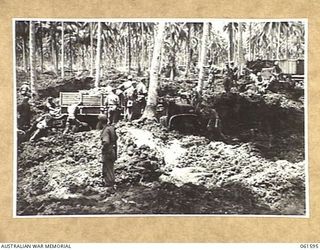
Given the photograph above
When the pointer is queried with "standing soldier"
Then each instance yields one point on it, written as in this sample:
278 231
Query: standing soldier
109 151
227 80
211 76
142 94
234 74
24 114
112 104
130 96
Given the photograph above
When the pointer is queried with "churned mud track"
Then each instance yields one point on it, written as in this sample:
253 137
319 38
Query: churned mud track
62 175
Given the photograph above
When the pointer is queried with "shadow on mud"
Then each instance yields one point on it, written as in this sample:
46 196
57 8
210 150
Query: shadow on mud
164 198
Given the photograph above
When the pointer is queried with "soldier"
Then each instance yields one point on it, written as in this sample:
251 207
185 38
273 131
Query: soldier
112 104
234 74
211 76
276 72
72 117
25 90
42 124
227 81
213 122
24 114
130 96
127 84
52 107
141 95
108 152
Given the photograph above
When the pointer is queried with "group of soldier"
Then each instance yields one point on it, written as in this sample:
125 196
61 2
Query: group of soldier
231 74
129 99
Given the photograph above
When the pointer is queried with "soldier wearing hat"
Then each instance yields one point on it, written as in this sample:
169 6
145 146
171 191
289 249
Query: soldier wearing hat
127 84
112 103
52 107
109 139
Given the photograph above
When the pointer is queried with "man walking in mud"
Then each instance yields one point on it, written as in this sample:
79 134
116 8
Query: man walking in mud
109 151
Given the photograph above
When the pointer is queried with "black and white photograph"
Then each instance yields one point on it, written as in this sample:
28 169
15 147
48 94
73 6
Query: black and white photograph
124 117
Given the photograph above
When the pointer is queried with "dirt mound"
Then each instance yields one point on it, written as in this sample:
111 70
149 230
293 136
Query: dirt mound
65 85
62 175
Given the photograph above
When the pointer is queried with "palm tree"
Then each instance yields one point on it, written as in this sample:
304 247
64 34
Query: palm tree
240 46
294 37
54 47
249 42
98 56
62 49
218 47
231 29
203 56
150 109
272 31
32 47
22 31
176 35
188 49
91 48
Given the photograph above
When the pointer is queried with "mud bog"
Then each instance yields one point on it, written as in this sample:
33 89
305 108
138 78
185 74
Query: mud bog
62 175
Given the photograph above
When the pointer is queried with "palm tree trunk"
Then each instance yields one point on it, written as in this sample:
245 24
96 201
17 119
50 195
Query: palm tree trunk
253 53
249 41
188 59
91 49
24 57
278 42
241 56
53 47
231 46
287 43
98 56
83 52
32 47
173 63
56 54
62 49
143 49
41 47
202 62
71 55
150 109
129 49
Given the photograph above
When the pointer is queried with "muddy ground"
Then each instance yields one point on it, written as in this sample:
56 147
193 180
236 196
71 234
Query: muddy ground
259 170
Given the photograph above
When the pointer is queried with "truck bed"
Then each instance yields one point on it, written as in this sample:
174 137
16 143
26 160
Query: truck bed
92 104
